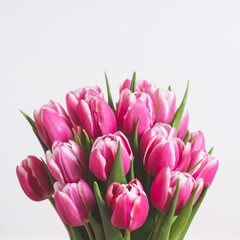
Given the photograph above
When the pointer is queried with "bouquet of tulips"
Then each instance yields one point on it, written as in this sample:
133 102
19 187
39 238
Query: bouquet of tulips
136 172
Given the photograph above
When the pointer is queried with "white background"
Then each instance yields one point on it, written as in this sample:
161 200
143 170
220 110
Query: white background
48 48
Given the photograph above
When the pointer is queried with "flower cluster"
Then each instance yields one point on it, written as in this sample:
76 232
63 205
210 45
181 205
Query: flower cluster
112 169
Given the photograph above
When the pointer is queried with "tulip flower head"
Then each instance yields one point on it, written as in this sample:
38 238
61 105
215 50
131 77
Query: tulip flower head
128 204
34 179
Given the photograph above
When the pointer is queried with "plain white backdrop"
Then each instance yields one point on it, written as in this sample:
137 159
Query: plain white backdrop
48 48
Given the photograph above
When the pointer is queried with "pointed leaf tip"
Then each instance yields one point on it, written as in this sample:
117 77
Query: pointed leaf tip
133 83
110 101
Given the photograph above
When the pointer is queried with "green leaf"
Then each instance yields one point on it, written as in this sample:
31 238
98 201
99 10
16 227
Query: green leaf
111 232
117 173
110 101
182 219
211 151
135 136
186 137
97 228
194 166
178 115
194 138
132 170
86 142
165 226
78 233
76 138
34 128
169 88
133 83
194 211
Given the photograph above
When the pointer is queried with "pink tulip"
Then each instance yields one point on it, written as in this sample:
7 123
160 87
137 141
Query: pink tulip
164 185
130 107
67 162
207 167
183 125
74 201
160 153
141 86
103 153
96 116
34 179
53 123
73 98
208 171
159 129
128 204
164 104
199 142
184 155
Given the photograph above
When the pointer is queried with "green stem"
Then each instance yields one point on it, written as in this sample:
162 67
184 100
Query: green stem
157 225
70 233
127 234
89 231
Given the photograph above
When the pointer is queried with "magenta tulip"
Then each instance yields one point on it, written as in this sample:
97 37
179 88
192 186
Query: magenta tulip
164 104
183 125
160 153
159 129
198 141
103 153
141 86
67 162
34 179
74 202
96 116
130 107
208 171
128 204
73 98
53 123
164 185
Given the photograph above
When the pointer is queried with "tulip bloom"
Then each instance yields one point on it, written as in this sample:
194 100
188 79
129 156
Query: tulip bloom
130 107
141 86
53 123
183 125
159 129
164 104
34 179
96 117
128 204
67 162
103 153
74 201
199 142
73 98
164 185
160 153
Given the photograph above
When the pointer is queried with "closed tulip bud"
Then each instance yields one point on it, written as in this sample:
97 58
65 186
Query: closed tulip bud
141 86
74 202
164 185
198 141
159 129
96 116
160 153
103 153
67 162
130 107
53 123
164 104
34 179
183 125
208 171
128 204
184 155
73 98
